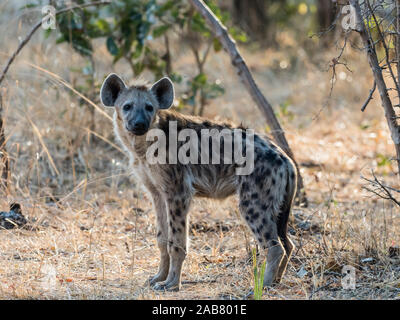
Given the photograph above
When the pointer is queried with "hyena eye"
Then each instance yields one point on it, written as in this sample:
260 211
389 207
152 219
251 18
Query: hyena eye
127 107
149 108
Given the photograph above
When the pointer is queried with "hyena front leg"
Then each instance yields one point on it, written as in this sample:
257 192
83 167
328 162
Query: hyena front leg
178 207
160 207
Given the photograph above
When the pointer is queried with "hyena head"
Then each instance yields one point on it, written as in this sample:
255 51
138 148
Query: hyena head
137 106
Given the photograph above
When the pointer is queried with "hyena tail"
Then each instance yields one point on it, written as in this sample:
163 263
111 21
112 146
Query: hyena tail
286 207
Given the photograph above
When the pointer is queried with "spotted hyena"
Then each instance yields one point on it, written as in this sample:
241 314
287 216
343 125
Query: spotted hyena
265 195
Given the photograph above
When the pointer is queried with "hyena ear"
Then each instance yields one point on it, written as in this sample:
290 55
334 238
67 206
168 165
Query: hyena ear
163 90
111 88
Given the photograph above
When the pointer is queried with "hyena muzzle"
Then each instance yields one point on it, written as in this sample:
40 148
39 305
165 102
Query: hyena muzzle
265 195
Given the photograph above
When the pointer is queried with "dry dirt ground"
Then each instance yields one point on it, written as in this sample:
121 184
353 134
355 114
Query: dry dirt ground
92 230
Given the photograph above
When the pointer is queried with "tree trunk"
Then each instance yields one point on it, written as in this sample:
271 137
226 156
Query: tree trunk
229 45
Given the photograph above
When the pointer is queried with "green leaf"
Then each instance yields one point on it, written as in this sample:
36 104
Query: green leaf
103 25
82 45
175 77
29 6
112 46
238 34
213 91
200 80
165 7
217 45
159 31
138 51
138 68
199 25
383 160
47 33
142 31
60 40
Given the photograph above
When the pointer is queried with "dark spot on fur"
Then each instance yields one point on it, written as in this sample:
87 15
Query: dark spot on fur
264 221
178 212
267 235
259 180
226 170
270 156
254 196
207 124
274 243
245 203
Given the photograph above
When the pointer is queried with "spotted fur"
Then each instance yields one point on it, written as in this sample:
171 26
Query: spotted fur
265 196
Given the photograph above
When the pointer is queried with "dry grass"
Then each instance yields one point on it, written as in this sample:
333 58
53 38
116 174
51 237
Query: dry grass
94 229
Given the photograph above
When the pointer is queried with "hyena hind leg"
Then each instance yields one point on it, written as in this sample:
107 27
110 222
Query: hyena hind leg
274 258
289 247
265 231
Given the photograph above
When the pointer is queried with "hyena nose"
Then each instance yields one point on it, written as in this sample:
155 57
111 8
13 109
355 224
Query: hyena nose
139 126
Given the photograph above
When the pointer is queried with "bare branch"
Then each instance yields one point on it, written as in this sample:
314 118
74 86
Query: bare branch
371 92
380 189
384 46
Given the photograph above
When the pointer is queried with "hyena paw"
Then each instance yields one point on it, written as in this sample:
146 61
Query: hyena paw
167 286
271 282
154 279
